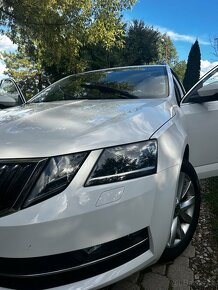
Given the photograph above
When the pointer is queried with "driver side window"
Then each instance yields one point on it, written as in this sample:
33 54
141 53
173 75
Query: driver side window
206 90
211 79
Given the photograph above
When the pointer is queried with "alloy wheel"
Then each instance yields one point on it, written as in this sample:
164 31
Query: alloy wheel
184 210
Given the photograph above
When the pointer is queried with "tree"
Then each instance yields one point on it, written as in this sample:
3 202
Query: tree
180 68
141 44
192 73
146 45
98 57
28 74
53 32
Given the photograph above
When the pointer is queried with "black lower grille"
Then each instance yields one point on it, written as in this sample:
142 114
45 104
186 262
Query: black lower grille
60 269
14 177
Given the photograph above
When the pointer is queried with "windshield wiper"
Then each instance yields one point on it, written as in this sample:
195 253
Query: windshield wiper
105 89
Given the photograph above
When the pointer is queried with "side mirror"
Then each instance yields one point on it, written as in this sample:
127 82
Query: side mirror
7 101
207 93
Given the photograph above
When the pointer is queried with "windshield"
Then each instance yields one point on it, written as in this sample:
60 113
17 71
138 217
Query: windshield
126 83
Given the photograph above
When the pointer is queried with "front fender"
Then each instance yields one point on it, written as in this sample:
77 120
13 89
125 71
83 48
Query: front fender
172 141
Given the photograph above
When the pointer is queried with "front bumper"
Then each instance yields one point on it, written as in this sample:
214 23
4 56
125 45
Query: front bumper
47 271
81 218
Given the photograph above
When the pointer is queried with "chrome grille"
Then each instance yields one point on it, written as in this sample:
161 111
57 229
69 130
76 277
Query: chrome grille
15 179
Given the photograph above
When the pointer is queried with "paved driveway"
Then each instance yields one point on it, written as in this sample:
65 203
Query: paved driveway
175 275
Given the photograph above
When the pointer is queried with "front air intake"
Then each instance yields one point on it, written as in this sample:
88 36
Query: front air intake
56 270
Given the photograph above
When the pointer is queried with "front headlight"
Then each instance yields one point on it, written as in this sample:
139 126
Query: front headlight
55 177
125 162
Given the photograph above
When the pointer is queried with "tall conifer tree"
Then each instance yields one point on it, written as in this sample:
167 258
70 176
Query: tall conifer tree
192 73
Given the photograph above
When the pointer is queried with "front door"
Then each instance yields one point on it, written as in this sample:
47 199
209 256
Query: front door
200 108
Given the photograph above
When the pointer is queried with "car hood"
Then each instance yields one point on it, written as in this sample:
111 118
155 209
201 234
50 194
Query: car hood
49 129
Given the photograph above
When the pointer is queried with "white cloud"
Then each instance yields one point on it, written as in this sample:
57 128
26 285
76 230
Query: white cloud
181 37
6 44
206 65
186 38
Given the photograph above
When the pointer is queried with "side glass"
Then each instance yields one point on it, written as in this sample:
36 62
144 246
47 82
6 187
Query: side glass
9 95
206 90
211 79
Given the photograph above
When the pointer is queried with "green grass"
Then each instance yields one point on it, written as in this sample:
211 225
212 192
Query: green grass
212 198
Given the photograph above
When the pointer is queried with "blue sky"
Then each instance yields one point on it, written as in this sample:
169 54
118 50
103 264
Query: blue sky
183 20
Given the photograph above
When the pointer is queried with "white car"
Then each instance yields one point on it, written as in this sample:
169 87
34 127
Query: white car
96 180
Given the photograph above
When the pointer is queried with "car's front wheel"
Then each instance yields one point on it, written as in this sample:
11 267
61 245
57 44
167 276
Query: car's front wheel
186 213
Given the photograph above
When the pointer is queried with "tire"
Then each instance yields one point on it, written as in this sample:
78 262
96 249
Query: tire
186 213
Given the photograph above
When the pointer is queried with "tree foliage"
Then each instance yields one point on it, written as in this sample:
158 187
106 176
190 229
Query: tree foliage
56 38
141 44
27 73
144 45
192 73
54 31
180 68
98 57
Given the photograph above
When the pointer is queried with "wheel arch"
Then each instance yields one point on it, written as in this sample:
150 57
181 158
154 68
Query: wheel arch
186 153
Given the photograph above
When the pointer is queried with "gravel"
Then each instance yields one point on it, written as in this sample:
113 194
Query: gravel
205 262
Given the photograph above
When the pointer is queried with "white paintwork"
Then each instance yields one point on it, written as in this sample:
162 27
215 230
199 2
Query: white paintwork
200 122
67 127
73 221
81 217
